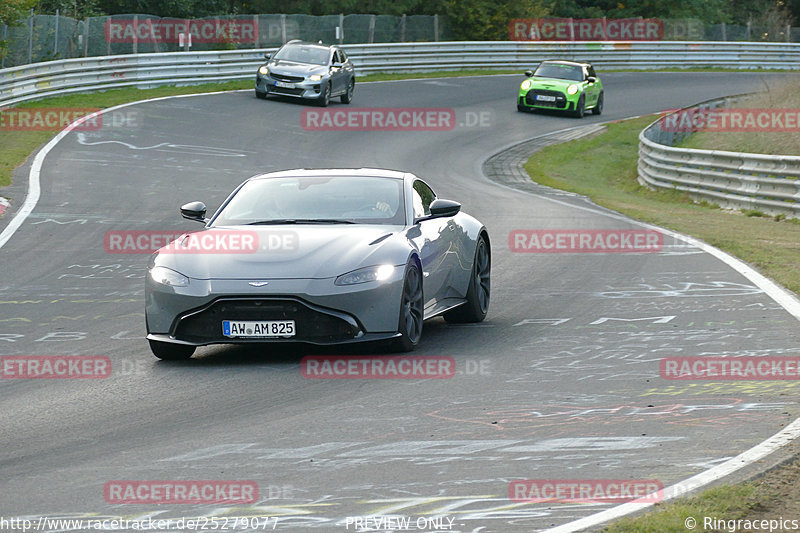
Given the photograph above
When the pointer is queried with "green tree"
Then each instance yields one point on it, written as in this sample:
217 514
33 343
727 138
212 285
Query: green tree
12 13
479 20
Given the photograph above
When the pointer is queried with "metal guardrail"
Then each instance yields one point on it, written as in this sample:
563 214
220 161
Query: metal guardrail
18 84
768 183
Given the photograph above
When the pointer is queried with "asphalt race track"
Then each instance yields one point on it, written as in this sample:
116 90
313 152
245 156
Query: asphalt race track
560 382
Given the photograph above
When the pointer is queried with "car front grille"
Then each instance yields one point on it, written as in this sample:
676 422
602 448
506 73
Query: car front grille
285 77
560 102
283 90
312 324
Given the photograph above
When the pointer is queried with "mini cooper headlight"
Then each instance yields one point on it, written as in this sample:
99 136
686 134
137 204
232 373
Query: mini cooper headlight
526 85
363 275
263 70
572 89
166 276
315 77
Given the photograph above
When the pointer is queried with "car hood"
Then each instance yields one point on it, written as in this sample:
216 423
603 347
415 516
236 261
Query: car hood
552 83
291 68
281 252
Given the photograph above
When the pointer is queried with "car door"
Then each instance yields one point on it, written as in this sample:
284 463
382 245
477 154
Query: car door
592 89
337 73
433 237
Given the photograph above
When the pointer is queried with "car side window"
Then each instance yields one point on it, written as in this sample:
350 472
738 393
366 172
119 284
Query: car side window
337 56
423 196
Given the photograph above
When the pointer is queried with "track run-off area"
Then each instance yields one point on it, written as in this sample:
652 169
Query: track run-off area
561 382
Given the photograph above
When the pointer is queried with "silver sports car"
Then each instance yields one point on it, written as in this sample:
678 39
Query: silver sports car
322 256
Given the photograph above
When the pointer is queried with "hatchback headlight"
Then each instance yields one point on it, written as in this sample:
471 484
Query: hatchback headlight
526 85
263 70
315 77
363 275
167 276
572 89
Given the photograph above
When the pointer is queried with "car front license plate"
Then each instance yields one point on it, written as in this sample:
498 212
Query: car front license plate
545 98
284 85
254 329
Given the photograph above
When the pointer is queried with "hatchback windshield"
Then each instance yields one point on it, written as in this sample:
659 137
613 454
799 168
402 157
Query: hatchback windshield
316 200
559 71
314 55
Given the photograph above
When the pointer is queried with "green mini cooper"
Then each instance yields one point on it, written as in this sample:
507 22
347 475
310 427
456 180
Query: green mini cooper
562 86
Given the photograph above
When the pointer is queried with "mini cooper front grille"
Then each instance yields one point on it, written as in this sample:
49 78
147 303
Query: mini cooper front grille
559 102
286 77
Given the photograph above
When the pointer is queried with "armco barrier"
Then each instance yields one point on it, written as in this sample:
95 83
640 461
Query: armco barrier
18 84
769 183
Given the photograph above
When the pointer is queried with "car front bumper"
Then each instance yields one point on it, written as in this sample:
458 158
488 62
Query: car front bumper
324 313
562 102
302 89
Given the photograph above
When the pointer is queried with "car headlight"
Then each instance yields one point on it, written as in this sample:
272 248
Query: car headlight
363 275
572 89
526 85
263 70
315 77
166 276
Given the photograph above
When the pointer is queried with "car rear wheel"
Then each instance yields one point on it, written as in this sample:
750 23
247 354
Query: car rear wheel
479 291
171 352
324 98
261 95
347 97
411 312
580 107
598 107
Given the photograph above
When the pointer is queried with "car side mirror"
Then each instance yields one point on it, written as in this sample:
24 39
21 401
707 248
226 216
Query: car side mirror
528 73
194 211
267 56
591 79
441 208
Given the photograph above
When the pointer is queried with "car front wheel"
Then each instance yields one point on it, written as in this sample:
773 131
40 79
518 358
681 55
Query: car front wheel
580 107
261 95
324 98
411 312
171 352
347 97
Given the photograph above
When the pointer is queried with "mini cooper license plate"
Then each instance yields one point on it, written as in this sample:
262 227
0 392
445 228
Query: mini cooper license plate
284 85
255 329
545 98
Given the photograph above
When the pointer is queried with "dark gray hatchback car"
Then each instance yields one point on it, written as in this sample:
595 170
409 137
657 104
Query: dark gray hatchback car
312 71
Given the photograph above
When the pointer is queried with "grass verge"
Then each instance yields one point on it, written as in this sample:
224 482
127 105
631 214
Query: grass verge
603 167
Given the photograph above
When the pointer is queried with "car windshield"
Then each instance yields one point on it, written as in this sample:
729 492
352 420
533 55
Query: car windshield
313 55
559 71
316 200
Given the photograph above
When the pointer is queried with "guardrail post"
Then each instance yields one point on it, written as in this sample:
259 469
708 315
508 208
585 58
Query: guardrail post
108 37
136 34
371 29
55 39
724 32
86 37
747 32
403 28
283 29
436 28
788 33
341 28
30 37
258 31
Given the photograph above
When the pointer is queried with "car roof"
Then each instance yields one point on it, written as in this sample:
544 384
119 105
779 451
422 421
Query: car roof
309 43
567 62
364 172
